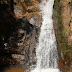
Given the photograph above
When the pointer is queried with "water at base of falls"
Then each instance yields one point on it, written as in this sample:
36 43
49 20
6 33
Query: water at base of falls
46 50
45 70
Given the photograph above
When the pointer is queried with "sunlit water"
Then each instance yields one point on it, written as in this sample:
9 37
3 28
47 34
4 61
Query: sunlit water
46 50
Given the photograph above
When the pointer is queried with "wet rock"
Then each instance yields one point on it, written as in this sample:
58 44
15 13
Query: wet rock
35 21
20 39
61 63
7 61
22 42
67 60
19 58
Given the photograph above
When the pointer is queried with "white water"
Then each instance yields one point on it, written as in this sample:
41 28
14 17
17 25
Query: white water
46 51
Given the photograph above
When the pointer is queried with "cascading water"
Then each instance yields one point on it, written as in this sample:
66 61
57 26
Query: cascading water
46 51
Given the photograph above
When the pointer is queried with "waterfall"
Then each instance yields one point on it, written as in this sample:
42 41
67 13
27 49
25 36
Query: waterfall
46 50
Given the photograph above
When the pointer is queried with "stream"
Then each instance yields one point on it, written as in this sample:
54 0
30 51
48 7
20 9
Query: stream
46 50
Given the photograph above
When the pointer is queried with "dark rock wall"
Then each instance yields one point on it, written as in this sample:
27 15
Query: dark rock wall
18 38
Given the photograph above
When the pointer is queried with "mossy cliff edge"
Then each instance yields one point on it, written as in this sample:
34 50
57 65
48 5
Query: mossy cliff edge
63 32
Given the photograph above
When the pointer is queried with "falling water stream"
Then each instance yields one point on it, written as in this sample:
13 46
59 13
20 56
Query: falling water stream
46 50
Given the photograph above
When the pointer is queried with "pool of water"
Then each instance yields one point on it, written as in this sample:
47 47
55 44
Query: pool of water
15 69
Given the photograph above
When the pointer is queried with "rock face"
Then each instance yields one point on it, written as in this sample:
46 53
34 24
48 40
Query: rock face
20 47
35 21
24 39
22 43
21 35
62 24
27 43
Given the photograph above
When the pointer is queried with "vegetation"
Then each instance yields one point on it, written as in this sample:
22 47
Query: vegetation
71 3
62 42
10 37
63 32
61 37
28 8
32 9
70 19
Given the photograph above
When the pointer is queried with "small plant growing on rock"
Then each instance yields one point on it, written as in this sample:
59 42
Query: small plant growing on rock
71 3
70 19
63 32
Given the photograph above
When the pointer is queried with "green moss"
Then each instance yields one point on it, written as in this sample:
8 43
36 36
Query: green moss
71 46
28 2
32 9
71 3
70 19
56 5
39 0
63 32
61 38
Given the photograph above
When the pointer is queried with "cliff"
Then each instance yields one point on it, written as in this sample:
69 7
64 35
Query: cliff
20 22
62 23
